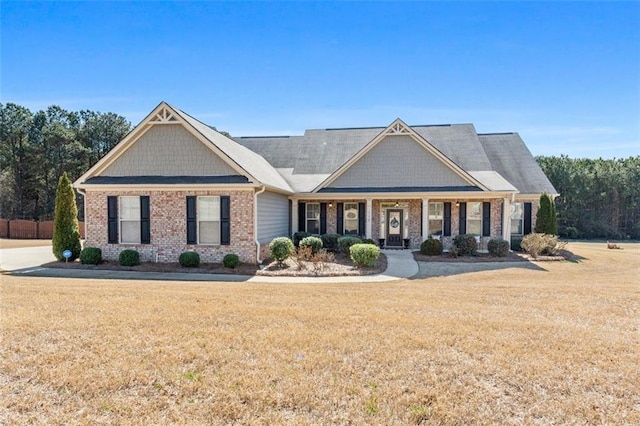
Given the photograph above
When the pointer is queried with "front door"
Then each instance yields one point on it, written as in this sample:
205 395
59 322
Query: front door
394 228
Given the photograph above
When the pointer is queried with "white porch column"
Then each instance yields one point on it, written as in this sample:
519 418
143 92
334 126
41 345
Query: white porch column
294 216
368 212
506 219
425 218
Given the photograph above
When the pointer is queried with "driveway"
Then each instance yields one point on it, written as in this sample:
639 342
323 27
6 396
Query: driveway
14 259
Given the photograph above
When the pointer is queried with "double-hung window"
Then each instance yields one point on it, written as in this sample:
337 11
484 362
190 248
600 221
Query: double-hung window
351 219
313 218
474 218
129 219
208 215
436 219
517 216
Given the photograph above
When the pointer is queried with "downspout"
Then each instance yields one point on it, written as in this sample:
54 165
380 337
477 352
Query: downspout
255 221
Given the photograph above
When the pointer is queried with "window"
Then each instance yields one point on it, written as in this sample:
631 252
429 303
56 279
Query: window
436 219
208 215
517 215
351 219
474 218
313 218
129 219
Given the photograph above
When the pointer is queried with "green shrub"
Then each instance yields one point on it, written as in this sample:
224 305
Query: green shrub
230 260
330 241
66 234
546 218
345 243
453 252
572 232
537 244
314 242
369 241
129 257
431 247
515 244
299 236
364 255
466 244
498 247
91 256
189 259
281 248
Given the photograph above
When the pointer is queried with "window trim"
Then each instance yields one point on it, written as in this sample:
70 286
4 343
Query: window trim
307 219
470 219
345 219
521 219
429 219
121 219
199 219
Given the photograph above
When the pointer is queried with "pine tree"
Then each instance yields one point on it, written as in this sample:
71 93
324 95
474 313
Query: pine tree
66 234
546 220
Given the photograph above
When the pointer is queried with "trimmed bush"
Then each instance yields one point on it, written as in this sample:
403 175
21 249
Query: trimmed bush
91 256
498 247
369 241
129 257
299 236
364 255
345 243
330 241
537 244
189 259
66 234
515 244
314 242
466 244
230 260
453 252
431 247
546 218
281 248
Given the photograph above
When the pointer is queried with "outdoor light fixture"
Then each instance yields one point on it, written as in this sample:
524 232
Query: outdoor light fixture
330 204
397 204
457 204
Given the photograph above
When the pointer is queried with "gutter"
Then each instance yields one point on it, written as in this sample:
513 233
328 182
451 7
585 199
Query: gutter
255 221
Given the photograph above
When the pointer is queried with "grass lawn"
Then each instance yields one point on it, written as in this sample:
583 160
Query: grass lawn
505 346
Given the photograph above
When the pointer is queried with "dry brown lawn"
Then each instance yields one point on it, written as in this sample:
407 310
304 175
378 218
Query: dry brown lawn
6 243
558 345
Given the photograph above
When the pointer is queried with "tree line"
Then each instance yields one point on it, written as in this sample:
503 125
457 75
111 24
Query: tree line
599 198
36 148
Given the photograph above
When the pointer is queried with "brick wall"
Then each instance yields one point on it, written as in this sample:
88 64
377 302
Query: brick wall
169 224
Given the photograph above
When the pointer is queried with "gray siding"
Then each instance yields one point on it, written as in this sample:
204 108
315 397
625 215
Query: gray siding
273 216
398 161
168 150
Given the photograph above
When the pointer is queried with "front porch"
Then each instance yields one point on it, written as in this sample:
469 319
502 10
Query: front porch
404 222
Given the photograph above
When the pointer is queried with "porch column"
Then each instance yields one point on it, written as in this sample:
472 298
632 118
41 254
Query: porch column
368 212
425 218
506 220
294 216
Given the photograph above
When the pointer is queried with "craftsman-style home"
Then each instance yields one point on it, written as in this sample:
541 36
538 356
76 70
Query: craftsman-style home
175 184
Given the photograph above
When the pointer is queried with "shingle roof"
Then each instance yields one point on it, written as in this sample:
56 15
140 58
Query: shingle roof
510 157
248 160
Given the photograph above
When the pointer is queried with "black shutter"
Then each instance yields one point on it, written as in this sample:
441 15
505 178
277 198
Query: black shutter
340 219
302 217
462 228
362 218
323 218
486 219
225 220
447 220
112 219
421 218
527 219
192 224
145 220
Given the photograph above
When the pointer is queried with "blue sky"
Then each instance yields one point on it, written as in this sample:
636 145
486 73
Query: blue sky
565 75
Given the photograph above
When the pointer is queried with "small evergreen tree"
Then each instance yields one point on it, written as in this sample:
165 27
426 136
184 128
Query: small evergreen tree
546 220
66 234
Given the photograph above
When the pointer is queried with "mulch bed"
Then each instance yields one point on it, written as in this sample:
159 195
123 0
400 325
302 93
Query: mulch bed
479 258
343 266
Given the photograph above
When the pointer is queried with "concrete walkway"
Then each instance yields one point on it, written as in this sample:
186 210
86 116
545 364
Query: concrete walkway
27 261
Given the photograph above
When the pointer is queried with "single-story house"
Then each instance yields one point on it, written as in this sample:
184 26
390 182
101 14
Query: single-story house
175 184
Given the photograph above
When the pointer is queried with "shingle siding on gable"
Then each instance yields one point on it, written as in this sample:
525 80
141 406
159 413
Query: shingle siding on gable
168 150
398 161
273 216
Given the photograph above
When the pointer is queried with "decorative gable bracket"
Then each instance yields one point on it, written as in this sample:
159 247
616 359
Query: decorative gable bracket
398 128
164 116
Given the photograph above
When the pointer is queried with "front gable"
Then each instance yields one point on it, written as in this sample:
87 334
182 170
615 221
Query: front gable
399 158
